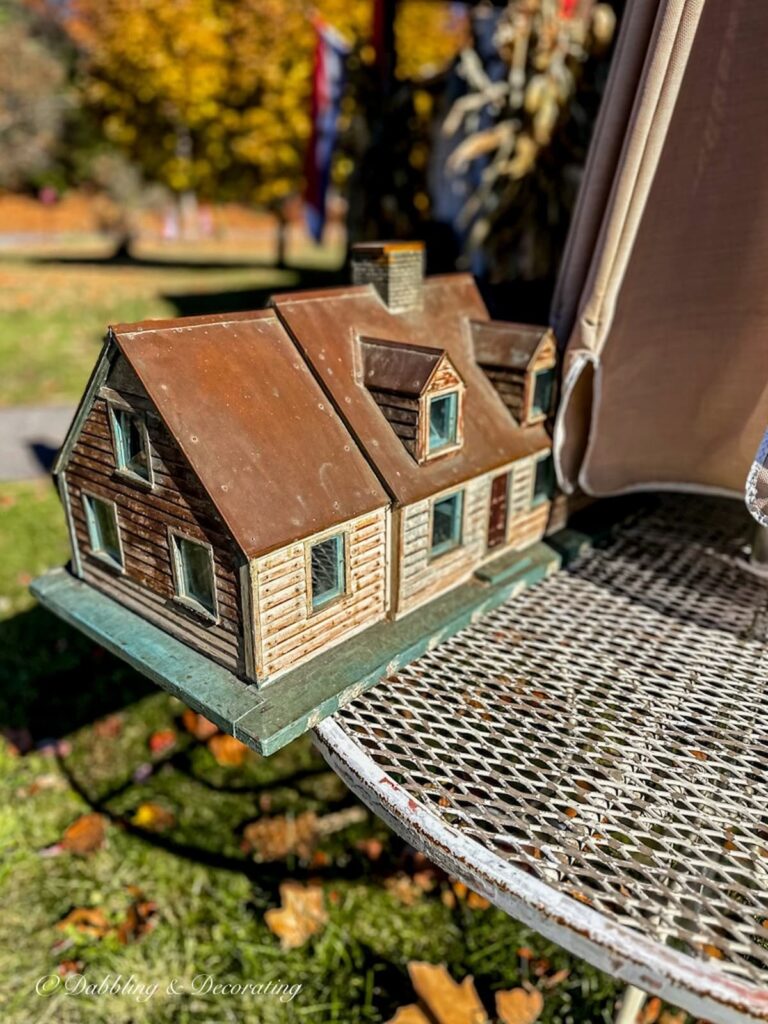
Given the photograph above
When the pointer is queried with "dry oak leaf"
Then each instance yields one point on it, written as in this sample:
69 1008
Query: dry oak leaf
153 817
88 920
139 919
651 1011
162 741
227 751
84 835
198 725
519 1006
302 913
274 838
447 1001
410 1015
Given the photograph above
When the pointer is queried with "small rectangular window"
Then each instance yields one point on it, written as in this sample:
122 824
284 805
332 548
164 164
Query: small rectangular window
446 523
131 444
443 421
193 574
328 570
544 481
103 532
543 391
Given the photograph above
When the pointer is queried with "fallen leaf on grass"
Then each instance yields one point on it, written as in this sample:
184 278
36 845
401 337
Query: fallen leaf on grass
162 741
198 725
675 1018
227 751
153 817
553 980
302 913
519 1006
650 1012
410 1015
404 889
372 848
446 1000
274 838
84 835
87 920
109 727
139 919
69 967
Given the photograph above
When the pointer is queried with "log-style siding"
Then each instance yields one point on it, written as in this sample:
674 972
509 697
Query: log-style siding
177 500
288 631
422 578
402 412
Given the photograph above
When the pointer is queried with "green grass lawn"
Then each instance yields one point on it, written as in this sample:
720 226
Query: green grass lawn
101 721
54 314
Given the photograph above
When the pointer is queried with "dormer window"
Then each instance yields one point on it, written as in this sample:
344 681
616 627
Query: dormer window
542 392
132 455
443 421
418 389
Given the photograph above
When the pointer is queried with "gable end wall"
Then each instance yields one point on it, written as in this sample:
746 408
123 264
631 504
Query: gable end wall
177 500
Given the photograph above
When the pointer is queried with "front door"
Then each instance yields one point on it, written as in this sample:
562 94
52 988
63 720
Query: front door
497 517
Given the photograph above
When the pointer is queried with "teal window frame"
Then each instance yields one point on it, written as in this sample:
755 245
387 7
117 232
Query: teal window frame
121 420
451 438
185 592
543 480
541 375
455 538
100 546
337 559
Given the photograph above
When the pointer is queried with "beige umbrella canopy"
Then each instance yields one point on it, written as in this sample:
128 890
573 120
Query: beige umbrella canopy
663 294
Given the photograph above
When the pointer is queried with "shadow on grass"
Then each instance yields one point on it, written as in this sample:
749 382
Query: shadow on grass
53 680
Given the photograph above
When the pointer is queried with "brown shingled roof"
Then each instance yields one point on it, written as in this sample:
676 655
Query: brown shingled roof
327 327
254 424
502 343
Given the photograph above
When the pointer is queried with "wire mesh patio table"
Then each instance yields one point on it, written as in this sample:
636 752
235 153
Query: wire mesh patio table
592 757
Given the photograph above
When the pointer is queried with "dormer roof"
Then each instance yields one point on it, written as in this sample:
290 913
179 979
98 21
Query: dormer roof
509 345
398 367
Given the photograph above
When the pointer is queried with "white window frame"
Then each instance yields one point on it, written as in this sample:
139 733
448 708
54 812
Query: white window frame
312 542
181 598
117 444
435 555
93 551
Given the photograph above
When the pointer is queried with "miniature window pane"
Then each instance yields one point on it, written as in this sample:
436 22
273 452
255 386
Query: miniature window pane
131 443
327 567
544 483
443 420
194 575
543 389
446 523
102 529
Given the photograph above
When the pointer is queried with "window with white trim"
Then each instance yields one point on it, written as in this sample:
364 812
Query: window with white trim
103 530
327 570
447 514
193 574
132 455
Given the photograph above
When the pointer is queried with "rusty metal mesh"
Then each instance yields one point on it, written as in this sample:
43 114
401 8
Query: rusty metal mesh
606 732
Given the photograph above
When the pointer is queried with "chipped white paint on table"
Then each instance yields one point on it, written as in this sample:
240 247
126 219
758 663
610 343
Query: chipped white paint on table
592 757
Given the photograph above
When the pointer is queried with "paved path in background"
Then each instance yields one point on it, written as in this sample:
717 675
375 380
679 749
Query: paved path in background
30 436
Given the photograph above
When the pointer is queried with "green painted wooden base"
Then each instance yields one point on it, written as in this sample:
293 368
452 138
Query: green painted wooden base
268 718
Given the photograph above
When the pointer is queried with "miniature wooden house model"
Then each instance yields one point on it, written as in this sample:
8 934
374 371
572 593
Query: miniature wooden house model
263 486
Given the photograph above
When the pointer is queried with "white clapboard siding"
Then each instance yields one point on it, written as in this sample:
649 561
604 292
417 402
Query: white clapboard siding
287 632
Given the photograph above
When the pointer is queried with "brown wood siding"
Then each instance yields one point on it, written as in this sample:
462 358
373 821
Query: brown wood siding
510 386
289 631
402 413
176 500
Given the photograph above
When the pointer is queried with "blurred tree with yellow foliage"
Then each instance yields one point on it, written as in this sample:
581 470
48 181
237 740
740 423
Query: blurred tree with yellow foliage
211 97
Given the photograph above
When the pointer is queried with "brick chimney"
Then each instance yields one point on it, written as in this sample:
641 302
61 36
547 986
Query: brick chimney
395 269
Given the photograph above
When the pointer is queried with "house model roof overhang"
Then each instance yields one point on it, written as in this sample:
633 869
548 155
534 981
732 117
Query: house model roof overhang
328 325
510 345
254 424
